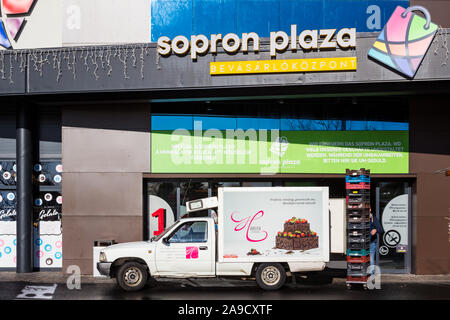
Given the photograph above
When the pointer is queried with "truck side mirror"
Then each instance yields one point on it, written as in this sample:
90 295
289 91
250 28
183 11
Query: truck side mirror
165 241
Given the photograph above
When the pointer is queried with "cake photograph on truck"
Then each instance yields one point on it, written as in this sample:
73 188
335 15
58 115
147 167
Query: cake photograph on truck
256 235
297 236
265 219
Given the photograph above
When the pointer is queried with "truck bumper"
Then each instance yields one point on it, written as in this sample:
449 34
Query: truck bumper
104 268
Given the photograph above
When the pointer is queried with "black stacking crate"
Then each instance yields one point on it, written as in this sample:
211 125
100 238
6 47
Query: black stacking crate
358 192
358 267
358 223
357 218
358 199
358 245
358 211
360 172
359 238
357 226
356 273
357 233
363 205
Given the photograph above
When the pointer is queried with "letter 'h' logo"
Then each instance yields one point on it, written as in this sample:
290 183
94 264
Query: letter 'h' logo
404 41
13 19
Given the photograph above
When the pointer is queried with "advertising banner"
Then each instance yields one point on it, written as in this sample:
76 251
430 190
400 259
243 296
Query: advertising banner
274 151
187 17
114 21
273 224
333 152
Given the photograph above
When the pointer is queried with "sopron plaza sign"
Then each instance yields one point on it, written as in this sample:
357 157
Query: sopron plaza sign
280 41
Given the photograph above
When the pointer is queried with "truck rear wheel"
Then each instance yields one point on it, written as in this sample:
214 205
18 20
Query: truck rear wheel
270 276
132 276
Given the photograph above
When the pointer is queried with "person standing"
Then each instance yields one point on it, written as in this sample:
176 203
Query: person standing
376 229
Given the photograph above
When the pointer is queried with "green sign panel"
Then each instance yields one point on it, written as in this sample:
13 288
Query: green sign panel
273 151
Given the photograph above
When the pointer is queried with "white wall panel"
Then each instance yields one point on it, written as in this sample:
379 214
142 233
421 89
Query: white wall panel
96 22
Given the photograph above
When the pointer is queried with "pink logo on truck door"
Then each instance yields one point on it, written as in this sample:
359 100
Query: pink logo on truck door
247 223
191 252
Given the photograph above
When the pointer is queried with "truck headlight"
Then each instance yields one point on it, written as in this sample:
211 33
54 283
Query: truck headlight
102 257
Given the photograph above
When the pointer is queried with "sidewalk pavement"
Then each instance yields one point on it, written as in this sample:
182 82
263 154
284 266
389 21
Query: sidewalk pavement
59 277
49 277
409 278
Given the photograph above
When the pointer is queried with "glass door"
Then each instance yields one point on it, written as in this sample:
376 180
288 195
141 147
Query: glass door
393 210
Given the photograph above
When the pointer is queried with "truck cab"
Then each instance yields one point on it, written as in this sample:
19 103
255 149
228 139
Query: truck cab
185 249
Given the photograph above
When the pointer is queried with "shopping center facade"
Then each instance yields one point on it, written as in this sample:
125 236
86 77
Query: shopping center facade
104 133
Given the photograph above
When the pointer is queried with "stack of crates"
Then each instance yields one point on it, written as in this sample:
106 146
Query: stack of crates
357 185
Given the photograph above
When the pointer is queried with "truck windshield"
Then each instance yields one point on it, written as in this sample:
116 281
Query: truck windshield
164 232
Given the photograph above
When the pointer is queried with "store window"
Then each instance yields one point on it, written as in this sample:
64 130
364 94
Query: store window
191 122
394 212
338 114
166 200
290 136
172 122
162 203
7 133
47 198
8 196
191 190
220 184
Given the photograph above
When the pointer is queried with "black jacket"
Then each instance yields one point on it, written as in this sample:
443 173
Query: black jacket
375 224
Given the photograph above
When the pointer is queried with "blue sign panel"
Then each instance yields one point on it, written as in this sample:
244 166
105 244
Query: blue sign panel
188 17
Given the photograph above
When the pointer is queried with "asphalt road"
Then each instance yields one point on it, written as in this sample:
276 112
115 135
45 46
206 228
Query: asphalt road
223 290
223 299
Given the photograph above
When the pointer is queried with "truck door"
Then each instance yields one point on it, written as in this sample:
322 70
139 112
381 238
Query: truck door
189 250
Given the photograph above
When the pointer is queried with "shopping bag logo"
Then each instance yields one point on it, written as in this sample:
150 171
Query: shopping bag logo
404 40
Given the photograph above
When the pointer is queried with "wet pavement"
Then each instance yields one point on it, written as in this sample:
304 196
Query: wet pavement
229 290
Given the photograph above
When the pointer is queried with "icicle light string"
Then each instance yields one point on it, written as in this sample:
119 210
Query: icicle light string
11 69
2 64
96 60
440 41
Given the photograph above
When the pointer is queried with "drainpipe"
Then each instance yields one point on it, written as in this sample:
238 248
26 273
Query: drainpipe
24 221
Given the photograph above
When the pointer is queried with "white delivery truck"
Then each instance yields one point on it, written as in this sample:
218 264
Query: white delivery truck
261 232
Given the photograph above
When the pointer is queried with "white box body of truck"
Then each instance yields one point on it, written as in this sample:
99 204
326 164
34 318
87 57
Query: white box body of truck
251 218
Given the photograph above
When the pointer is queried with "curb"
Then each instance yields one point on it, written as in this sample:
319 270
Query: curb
49 277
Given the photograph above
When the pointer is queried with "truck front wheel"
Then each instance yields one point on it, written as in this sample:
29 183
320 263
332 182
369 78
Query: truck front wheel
270 276
132 276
